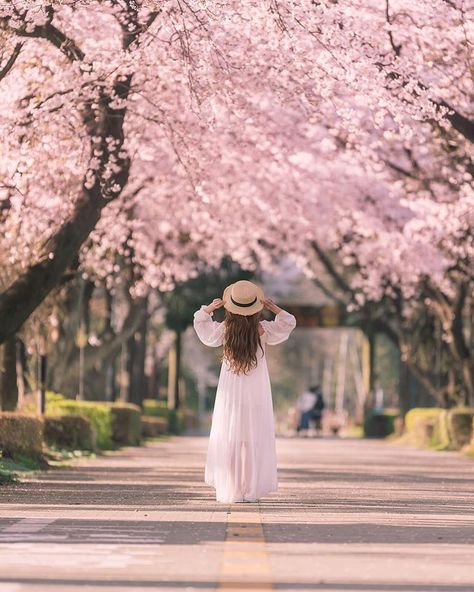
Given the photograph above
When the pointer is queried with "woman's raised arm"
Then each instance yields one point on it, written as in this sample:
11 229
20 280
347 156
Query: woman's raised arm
278 330
210 332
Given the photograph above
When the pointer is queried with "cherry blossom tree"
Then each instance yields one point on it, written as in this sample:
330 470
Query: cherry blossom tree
170 133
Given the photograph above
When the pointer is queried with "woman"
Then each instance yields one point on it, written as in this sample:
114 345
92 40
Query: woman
241 458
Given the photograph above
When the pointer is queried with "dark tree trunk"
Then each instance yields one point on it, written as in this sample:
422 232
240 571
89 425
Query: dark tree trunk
468 381
42 370
26 293
404 387
87 290
136 346
372 358
177 398
110 364
460 348
22 367
8 376
130 353
154 380
111 391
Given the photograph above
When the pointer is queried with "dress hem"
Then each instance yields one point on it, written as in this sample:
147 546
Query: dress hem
243 498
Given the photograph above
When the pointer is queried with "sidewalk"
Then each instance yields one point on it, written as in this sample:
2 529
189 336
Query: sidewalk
350 516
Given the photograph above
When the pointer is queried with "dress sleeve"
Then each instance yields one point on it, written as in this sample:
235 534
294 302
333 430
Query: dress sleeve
210 332
279 330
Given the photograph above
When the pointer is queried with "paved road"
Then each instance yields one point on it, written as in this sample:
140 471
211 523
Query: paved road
350 516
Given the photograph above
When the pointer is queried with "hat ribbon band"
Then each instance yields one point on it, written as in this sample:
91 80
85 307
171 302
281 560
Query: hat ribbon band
244 305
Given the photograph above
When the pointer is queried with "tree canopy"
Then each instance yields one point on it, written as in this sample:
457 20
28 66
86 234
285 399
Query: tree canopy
175 132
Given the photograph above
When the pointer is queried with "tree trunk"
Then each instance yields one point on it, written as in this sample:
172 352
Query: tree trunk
111 380
154 381
42 371
460 350
97 358
64 354
177 398
136 359
174 372
468 381
26 293
368 365
404 396
22 371
8 376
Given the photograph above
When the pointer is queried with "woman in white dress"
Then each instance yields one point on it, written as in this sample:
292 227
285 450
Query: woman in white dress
241 457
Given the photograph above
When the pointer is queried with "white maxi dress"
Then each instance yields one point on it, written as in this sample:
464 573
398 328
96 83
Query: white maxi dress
241 457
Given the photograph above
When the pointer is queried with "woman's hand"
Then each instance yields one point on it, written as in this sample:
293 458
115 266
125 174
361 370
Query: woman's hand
215 304
271 306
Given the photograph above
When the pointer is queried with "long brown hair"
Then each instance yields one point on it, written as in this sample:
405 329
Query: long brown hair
241 341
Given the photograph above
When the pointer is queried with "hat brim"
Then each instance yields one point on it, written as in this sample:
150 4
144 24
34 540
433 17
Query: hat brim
245 311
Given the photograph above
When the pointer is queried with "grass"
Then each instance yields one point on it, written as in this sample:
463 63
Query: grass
352 431
9 468
60 457
7 477
161 438
12 468
468 450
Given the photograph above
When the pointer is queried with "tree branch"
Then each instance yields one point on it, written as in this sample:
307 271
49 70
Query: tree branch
51 33
396 48
11 60
328 292
325 260
461 124
127 16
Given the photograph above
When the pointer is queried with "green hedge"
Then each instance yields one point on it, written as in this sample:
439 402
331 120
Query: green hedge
154 408
126 424
438 428
469 448
426 427
175 419
440 439
20 434
113 423
152 427
98 413
419 415
460 426
380 424
73 432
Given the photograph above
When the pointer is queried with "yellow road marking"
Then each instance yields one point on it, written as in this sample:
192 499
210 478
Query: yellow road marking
245 561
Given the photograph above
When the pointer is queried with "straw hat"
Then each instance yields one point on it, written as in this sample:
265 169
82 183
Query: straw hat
243 298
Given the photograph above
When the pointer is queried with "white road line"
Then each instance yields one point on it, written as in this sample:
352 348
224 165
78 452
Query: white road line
27 526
